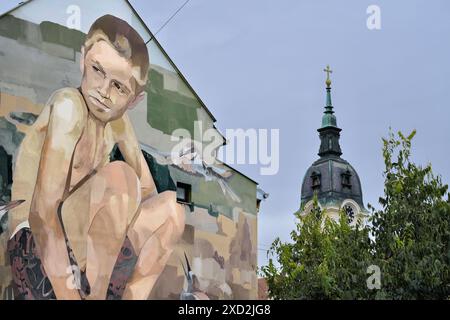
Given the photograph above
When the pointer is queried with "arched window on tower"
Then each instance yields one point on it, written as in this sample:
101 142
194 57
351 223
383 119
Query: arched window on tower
315 178
345 176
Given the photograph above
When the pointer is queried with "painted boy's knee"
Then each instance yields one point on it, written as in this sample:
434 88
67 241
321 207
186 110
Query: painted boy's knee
119 177
118 182
176 211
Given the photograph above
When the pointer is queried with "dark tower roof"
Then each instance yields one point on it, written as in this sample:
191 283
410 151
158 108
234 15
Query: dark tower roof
332 177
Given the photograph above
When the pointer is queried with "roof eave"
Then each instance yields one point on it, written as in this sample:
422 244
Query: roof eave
153 38
15 8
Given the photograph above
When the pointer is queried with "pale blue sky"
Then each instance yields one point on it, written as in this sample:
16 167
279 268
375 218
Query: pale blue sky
258 64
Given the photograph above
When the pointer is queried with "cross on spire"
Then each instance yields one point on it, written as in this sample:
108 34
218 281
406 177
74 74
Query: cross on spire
329 131
328 71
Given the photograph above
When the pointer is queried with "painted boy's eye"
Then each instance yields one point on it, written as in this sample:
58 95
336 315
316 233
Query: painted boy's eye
118 87
96 69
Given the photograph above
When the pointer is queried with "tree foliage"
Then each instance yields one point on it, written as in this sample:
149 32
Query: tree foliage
412 228
408 239
325 260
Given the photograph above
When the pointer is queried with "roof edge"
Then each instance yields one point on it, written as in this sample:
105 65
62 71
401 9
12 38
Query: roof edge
22 3
153 38
244 175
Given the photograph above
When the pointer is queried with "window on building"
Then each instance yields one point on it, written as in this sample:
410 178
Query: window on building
183 192
5 172
315 177
346 175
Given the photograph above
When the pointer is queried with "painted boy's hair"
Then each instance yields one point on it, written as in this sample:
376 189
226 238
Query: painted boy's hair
128 43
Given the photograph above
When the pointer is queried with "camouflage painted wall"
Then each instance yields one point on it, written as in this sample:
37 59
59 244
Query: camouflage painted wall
39 54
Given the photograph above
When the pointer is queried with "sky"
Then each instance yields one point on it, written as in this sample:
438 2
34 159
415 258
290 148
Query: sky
259 64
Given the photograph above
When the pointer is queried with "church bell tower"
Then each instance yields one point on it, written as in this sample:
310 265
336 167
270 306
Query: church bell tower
332 178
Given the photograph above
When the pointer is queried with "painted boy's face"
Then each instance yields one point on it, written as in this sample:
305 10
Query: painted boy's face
107 85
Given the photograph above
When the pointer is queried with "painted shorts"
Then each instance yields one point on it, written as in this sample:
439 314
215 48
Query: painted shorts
30 282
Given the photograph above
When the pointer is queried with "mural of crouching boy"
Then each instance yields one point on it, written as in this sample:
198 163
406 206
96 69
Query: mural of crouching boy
82 212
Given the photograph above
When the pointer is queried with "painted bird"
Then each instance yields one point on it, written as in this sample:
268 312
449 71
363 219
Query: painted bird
192 293
4 208
190 161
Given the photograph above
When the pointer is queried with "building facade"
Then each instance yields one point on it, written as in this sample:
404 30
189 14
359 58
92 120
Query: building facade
40 45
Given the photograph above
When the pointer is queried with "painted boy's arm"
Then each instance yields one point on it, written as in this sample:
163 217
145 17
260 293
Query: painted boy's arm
26 168
129 147
64 129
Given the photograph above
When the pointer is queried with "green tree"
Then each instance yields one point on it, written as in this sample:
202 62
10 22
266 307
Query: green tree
325 260
408 239
412 227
